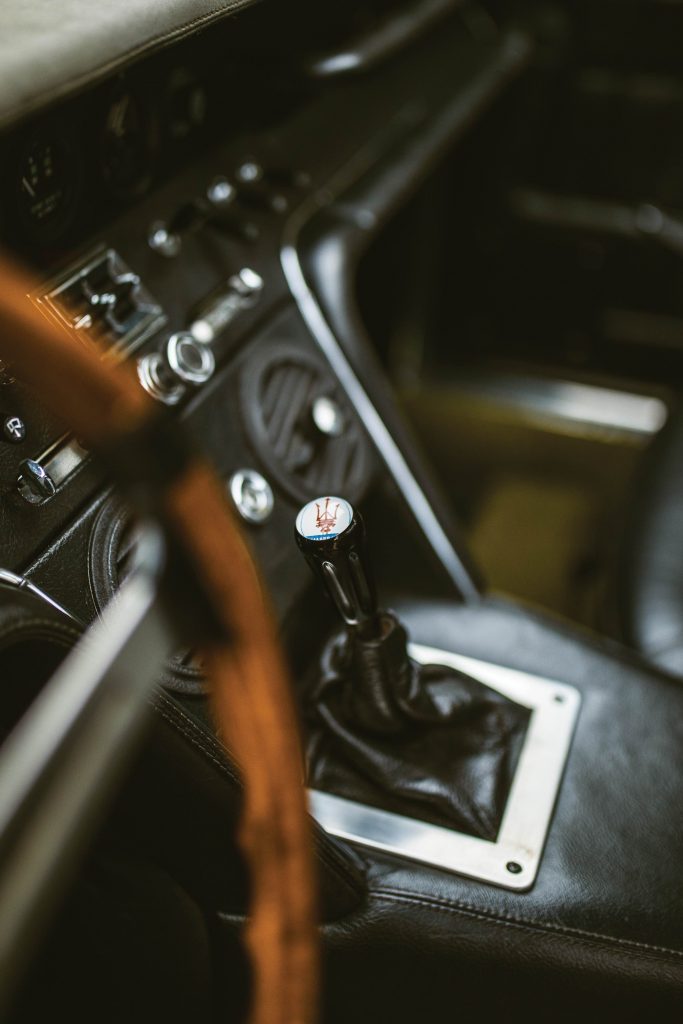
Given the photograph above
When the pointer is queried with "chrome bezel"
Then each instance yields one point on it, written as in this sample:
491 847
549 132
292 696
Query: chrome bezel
47 299
512 861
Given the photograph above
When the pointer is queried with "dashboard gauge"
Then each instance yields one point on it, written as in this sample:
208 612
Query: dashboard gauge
47 183
127 146
185 105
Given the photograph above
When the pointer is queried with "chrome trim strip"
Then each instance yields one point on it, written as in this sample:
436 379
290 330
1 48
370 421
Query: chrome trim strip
387 40
384 441
65 755
514 52
12 579
512 861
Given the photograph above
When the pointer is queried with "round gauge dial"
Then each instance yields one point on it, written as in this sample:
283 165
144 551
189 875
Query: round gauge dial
46 183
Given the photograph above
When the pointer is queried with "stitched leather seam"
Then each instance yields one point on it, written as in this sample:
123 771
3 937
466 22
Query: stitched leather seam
530 924
102 70
171 713
196 742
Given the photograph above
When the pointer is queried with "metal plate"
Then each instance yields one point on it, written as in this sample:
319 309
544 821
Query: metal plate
61 300
512 861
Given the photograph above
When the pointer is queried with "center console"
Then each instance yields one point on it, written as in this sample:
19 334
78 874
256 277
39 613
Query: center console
224 287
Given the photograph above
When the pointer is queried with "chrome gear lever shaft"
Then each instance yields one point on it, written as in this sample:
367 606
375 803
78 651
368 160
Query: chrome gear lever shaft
331 535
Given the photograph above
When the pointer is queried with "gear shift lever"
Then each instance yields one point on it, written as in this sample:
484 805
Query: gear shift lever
426 741
332 538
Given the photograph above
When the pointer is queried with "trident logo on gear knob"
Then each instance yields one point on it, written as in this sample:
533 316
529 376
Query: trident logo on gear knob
331 536
324 518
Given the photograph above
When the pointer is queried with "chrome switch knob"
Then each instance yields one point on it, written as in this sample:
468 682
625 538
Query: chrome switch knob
331 535
185 361
189 360
35 484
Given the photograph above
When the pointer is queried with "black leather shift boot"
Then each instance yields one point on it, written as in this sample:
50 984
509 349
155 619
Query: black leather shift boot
423 741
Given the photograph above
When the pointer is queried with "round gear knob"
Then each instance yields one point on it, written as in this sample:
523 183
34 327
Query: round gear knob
331 535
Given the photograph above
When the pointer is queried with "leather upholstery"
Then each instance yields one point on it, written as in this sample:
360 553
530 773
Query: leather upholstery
136 940
33 640
601 932
80 42
651 582
424 741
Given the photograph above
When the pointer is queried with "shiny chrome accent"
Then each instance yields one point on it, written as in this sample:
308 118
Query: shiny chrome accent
153 374
247 282
217 312
139 317
327 416
190 361
252 495
39 479
512 861
384 441
162 241
249 172
384 41
64 460
83 322
513 55
12 579
34 483
220 192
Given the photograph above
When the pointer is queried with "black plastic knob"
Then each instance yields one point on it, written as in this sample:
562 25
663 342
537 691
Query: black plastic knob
331 536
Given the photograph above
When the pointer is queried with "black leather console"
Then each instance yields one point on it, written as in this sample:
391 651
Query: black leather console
138 939
600 933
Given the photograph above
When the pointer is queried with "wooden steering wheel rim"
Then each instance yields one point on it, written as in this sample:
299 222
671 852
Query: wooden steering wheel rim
104 406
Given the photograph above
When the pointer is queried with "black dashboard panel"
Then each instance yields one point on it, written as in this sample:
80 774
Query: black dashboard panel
156 191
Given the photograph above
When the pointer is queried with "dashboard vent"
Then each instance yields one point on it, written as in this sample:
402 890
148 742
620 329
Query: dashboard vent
303 425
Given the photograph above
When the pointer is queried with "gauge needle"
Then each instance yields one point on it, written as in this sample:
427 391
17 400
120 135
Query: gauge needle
28 188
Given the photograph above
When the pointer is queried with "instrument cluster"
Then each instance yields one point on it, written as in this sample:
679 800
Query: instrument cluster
72 169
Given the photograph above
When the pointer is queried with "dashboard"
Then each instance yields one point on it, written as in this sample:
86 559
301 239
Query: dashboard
176 215
193 188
